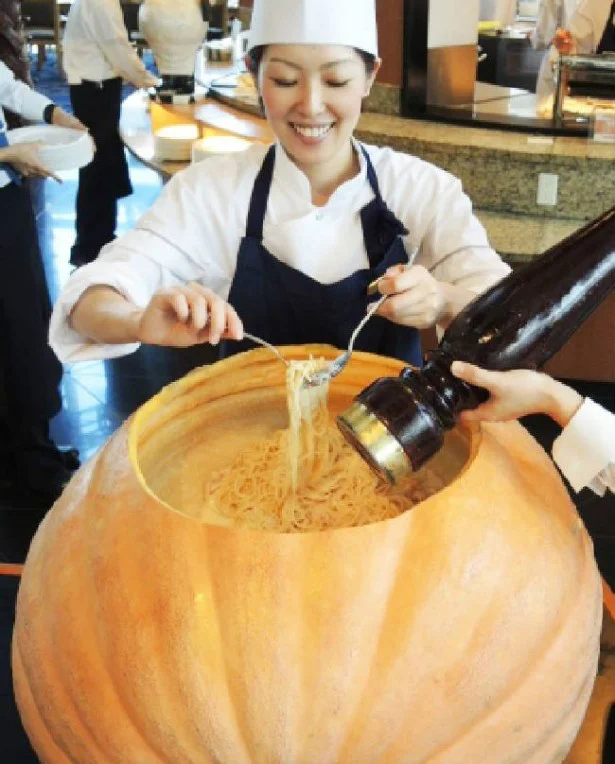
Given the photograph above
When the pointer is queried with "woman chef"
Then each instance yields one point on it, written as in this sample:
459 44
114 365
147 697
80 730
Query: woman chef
29 372
584 451
284 240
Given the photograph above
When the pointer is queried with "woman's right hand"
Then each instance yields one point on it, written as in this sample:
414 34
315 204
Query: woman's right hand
26 159
188 315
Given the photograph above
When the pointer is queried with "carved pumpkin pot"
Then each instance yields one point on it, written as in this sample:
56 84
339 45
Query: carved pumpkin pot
465 630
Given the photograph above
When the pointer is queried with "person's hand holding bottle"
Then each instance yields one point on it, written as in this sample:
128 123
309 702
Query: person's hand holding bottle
517 393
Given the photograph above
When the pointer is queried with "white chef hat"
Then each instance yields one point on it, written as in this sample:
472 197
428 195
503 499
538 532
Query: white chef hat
315 22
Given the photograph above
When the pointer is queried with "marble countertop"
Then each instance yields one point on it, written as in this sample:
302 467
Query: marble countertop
481 139
519 238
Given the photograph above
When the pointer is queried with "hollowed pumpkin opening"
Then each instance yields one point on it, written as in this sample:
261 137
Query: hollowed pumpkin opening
200 424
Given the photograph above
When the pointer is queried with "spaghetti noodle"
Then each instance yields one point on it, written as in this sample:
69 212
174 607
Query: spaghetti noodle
307 477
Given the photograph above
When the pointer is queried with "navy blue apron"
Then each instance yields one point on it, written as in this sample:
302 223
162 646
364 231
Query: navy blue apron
607 43
287 307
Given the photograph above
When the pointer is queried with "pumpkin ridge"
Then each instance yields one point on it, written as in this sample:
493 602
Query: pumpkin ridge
52 684
199 691
92 556
557 635
112 658
370 624
559 750
38 732
389 615
228 605
205 550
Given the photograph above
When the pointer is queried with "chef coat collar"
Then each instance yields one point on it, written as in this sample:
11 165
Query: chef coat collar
294 181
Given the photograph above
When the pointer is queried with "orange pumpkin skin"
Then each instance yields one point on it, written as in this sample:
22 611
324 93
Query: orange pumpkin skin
465 631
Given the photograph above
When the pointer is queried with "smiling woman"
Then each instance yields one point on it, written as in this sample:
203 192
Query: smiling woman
312 96
284 240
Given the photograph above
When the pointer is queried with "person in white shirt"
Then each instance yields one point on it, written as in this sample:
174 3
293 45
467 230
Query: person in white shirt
29 371
584 451
284 240
97 56
590 29
552 15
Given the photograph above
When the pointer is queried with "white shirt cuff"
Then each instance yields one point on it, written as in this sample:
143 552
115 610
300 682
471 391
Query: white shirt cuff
586 446
69 345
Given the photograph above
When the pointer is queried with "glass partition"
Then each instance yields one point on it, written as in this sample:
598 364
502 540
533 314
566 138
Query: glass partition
516 71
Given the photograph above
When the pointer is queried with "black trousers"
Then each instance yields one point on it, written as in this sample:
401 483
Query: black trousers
106 178
30 372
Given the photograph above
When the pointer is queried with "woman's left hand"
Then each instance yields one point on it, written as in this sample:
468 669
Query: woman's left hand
62 118
417 298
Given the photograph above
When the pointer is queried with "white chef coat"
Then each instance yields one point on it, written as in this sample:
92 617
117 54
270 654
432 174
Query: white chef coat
194 229
585 450
551 15
587 24
20 98
96 45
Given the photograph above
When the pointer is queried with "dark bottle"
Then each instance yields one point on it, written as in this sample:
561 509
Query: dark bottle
398 423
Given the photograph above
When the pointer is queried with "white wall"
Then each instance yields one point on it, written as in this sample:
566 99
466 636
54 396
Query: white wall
452 22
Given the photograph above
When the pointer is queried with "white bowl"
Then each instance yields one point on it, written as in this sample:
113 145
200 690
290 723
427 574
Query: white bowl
216 145
64 148
174 142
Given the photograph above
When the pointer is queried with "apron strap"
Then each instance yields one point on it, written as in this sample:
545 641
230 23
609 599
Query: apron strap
381 227
260 197
371 175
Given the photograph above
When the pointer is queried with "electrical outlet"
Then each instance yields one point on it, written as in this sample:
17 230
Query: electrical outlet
547 189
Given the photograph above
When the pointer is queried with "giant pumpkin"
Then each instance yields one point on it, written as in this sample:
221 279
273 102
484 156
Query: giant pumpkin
465 631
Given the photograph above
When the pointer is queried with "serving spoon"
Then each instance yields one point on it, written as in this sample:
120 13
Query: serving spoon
267 345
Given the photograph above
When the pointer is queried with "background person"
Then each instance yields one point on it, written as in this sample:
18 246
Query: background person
97 56
29 371
590 29
552 15
284 240
585 450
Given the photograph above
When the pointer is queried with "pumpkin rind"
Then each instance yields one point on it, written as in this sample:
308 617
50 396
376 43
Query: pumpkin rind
465 630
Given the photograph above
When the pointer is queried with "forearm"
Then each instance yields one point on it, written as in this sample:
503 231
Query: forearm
455 300
24 101
124 59
105 316
560 401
